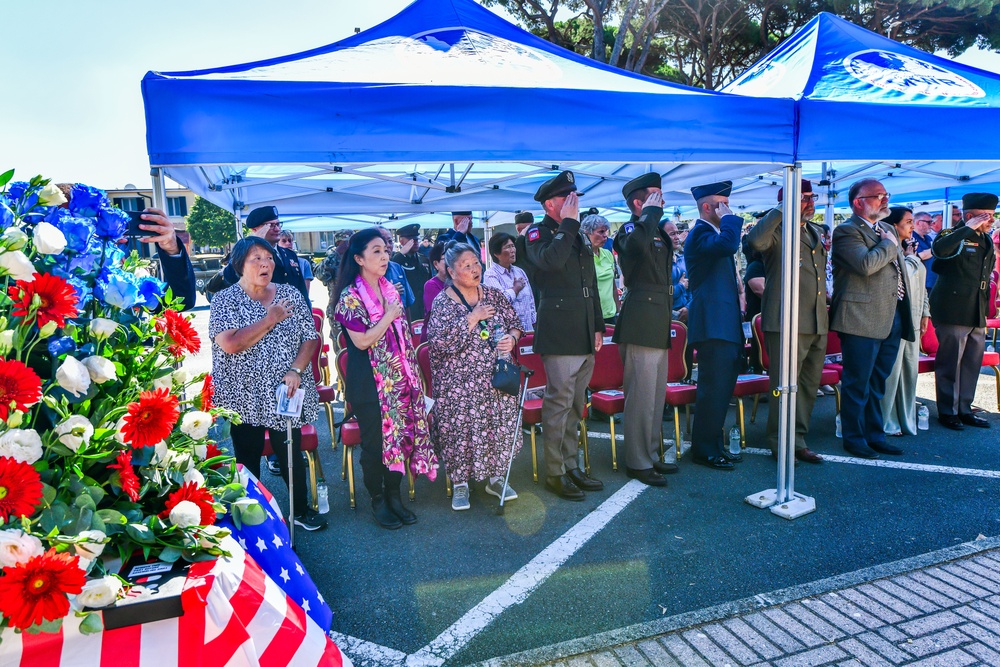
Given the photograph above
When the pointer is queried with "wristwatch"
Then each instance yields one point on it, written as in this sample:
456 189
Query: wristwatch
296 370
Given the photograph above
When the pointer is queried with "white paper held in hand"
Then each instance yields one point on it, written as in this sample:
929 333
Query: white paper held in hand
288 407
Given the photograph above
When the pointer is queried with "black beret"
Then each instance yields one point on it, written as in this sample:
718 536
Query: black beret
982 201
563 184
807 186
650 180
683 226
524 218
462 213
722 189
411 230
260 215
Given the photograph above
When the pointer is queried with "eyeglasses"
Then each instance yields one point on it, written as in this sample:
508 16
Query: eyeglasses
273 223
882 196
806 198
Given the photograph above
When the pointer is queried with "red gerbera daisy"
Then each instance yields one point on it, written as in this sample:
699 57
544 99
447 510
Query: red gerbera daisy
207 393
211 451
151 419
180 333
20 387
195 494
57 299
126 475
20 489
36 591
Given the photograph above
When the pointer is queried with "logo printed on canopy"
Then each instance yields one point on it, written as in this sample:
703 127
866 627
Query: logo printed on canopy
905 74
461 43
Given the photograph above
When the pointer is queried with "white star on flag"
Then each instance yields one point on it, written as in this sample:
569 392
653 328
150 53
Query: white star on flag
261 544
277 541
298 568
243 543
305 606
320 596
284 575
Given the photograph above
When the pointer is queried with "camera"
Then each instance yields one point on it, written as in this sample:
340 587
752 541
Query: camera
133 231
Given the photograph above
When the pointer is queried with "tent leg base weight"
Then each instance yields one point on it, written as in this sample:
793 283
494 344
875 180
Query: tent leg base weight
764 499
798 506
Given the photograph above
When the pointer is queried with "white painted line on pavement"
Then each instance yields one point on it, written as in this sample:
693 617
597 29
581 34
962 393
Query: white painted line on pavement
375 654
524 582
898 465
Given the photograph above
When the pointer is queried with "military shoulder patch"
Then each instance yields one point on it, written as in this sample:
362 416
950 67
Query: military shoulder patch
629 227
534 234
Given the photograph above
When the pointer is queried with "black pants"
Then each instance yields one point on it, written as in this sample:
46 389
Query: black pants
248 443
377 477
718 368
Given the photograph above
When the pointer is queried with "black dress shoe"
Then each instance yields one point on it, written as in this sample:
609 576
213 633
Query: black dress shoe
863 452
885 448
648 476
973 420
716 462
585 481
665 468
734 458
951 421
384 516
564 487
396 506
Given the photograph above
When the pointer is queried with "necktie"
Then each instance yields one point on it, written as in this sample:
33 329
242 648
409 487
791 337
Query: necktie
900 287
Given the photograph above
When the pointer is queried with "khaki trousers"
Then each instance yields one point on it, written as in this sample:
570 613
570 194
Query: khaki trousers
645 389
562 408
809 371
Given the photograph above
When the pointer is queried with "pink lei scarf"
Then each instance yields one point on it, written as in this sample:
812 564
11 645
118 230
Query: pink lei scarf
405 435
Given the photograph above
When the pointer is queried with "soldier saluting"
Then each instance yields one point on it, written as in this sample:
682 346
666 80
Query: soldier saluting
643 331
569 329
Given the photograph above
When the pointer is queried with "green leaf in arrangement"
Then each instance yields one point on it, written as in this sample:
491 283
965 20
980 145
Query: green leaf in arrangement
170 554
5 177
92 624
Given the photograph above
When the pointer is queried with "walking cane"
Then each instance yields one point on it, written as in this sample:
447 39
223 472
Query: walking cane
527 372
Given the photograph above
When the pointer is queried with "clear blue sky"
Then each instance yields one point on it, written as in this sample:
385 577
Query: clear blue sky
72 108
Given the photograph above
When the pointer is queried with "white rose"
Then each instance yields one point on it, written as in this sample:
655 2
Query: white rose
84 563
75 432
51 195
73 377
49 240
15 238
119 426
90 544
6 341
193 475
163 383
210 535
179 377
100 369
15 264
195 424
185 514
178 460
200 452
17 547
99 593
22 445
101 328
141 273
160 452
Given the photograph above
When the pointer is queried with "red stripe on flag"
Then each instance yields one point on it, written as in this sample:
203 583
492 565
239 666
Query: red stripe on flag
41 650
121 647
289 637
331 655
246 602
190 636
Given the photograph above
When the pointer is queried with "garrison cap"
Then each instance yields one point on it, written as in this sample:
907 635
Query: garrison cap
260 215
563 184
807 186
524 218
979 201
722 189
650 180
409 231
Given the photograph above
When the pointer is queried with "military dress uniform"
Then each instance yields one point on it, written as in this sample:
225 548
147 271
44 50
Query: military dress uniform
286 262
963 260
568 316
814 319
417 269
643 331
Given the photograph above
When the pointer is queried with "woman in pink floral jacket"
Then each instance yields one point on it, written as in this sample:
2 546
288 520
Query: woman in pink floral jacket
383 382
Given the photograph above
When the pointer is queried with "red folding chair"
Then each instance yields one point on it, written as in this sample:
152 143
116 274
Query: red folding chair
324 347
327 394
310 445
605 387
928 350
350 434
416 332
678 391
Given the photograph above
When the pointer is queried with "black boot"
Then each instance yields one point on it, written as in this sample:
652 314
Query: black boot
396 506
384 516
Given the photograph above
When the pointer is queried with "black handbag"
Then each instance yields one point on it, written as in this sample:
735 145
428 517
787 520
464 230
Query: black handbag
506 374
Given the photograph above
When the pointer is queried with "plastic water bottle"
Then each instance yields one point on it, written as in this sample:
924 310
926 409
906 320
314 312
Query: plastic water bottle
840 433
734 440
322 496
498 334
923 417
989 348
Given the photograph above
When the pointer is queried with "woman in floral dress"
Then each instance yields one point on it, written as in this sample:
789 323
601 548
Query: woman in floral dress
473 422
383 382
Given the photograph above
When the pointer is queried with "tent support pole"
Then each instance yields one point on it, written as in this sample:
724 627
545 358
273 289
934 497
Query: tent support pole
782 500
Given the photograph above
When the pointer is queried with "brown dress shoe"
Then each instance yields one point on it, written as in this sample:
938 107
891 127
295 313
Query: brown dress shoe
808 455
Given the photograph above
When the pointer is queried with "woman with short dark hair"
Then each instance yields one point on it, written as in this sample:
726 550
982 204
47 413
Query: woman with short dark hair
510 279
383 381
263 336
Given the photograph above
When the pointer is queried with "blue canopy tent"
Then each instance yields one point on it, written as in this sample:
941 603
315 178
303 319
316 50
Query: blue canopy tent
443 106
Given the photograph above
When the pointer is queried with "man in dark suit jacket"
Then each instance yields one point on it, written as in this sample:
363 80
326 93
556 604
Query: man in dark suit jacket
765 238
522 221
715 317
871 311
568 332
643 330
178 272
964 260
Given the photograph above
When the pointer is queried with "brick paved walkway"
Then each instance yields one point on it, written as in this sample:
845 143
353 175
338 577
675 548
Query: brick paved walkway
944 615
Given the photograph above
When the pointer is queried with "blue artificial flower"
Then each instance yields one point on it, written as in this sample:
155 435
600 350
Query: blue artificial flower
78 231
151 291
6 215
24 196
61 345
86 201
117 288
113 256
111 222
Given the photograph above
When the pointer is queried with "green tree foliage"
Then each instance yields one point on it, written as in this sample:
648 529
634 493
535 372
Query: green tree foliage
210 225
708 43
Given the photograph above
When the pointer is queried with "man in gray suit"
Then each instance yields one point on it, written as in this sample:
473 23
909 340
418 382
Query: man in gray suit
871 311
765 238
